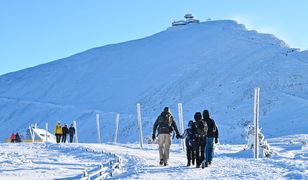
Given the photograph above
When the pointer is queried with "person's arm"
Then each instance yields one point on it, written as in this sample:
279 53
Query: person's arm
216 133
155 126
175 128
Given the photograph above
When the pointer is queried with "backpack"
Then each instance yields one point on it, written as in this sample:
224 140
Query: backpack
165 122
200 128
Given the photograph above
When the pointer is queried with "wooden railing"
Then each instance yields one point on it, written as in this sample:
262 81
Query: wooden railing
103 172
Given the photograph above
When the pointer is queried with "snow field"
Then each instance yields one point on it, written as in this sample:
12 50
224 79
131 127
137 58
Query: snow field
68 161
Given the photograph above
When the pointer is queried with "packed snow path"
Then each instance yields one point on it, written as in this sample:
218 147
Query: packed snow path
68 161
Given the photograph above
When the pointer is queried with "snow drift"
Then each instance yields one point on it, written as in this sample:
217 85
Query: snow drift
213 65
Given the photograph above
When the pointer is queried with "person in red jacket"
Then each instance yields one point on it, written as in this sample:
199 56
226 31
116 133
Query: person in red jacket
13 137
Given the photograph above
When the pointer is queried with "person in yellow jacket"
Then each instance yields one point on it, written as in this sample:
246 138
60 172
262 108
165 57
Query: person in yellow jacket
58 132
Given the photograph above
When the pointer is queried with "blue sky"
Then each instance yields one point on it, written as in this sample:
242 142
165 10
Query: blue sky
35 31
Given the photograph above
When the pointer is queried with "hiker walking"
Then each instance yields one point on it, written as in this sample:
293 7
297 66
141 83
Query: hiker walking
200 131
58 132
64 133
18 139
190 144
212 135
13 137
71 132
165 124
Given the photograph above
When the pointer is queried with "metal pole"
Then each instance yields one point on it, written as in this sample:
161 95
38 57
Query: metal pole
75 125
180 108
98 129
140 125
116 129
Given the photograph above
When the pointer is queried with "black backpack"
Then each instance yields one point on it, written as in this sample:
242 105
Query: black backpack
200 128
165 121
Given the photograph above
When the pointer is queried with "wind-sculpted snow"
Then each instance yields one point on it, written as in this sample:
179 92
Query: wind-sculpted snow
213 65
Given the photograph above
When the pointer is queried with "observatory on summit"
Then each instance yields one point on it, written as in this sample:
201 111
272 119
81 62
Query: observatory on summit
189 19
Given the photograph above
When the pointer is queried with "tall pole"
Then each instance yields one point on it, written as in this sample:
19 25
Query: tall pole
75 125
256 122
98 129
140 125
46 132
116 129
180 110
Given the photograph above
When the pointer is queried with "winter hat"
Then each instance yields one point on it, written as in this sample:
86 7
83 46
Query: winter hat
198 116
190 123
206 114
166 109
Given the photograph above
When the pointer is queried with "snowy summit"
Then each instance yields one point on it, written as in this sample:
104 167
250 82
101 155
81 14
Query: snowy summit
213 65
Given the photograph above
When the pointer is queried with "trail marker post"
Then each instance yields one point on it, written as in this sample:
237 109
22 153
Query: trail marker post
46 132
256 122
140 125
98 129
180 110
75 125
116 129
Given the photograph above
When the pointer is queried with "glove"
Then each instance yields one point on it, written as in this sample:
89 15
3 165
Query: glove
153 137
216 140
179 136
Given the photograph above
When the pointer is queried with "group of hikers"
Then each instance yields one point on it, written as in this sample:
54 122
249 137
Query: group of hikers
15 138
63 132
199 137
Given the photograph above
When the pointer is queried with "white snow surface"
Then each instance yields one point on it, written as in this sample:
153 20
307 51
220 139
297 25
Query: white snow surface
69 161
213 65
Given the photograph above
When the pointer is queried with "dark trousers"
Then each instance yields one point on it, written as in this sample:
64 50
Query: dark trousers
190 154
64 138
200 147
71 138
58 137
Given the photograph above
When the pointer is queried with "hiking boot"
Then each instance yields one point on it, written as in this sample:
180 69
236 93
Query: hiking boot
203 164
161 162
188 163
166 164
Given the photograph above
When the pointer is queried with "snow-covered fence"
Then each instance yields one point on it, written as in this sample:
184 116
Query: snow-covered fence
113 168
101 173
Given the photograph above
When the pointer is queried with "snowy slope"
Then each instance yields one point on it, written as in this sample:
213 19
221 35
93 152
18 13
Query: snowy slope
69 161
213 65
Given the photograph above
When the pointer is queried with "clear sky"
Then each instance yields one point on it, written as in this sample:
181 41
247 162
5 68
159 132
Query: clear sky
38 31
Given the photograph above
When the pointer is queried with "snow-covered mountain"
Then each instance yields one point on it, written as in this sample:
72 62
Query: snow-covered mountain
213 65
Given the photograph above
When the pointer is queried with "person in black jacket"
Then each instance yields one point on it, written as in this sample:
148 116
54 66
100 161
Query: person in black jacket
190 144
165 124
200 131
212 134
65 132
71 132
